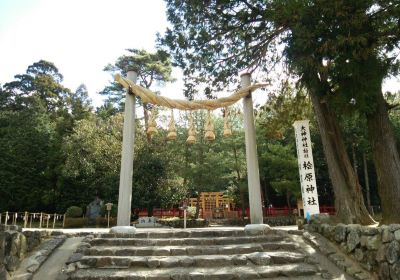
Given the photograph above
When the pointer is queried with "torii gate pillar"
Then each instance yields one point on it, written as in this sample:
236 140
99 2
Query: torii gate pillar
128 140
253 174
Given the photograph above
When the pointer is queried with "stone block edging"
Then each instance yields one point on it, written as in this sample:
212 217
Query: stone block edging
376 249
33 262
335 255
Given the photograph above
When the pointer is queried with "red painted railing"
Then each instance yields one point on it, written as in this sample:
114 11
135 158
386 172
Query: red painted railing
160 212
236 213
327 209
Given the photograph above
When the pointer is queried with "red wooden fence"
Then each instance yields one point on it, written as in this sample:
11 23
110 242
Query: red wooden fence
236 213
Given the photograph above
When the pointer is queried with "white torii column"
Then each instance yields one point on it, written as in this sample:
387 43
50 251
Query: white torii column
128 140
253 174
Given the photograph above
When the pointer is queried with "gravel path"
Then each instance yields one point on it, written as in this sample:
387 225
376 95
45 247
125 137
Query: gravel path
53 265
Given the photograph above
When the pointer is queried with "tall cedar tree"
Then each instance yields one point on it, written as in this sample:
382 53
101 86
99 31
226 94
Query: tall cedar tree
151 67
217 39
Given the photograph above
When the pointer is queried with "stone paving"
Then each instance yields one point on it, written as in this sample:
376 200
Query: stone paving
201 253
219 253
34 261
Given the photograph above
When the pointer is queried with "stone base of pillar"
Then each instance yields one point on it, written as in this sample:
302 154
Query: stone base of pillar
123 229
257 229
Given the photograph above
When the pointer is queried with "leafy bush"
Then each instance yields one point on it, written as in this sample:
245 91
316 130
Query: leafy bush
75 222
178 223
102 222
233 222
74 212
113 212
272 221
191 212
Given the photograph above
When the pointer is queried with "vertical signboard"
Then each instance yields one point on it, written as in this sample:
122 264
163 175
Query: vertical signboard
306 168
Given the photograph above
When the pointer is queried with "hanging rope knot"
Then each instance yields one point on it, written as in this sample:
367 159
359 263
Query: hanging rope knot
227 129
148 96
209 128
130 90
191 132
152 130
171 128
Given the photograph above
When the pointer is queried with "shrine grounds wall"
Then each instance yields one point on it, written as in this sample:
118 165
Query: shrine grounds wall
178 223
377 249
273 221
14 244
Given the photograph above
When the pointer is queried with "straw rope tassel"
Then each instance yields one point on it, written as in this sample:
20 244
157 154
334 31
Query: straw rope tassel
227 128
150 97
171 128
192 132
152 130
209 135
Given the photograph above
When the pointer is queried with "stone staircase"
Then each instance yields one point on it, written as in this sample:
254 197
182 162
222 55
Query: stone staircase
192 254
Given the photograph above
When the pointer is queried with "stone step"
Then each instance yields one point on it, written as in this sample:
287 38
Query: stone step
256 258
205 241
295 271
195 233
188 250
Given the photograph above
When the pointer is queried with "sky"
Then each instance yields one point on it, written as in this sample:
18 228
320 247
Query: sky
79 36
82 36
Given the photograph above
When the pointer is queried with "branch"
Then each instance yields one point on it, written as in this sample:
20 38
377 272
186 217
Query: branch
392 106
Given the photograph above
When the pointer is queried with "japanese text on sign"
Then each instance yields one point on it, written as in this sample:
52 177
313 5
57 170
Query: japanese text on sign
306 168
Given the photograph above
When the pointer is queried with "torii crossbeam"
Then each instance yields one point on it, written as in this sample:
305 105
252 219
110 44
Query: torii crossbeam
125 185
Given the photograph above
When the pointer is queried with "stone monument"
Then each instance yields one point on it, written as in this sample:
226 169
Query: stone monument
93 210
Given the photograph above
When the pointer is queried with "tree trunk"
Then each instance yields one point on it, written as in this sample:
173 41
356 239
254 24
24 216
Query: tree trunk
366 178
146 121
241 191
265 191
355 163
196 215
288 194
349 202
386 160
242 200
150 209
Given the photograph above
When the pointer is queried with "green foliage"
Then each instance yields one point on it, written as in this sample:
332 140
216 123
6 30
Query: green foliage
191 212
280 169
55 152
37 113
79 103
179 223
113 211
216 159
356 40
394 100
106 110
344 44
103 222
75 222
92 160
27 137
74 212
42 81
340 51
276 144
150 173
151 67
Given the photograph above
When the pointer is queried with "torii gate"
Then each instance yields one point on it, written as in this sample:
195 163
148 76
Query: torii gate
125 183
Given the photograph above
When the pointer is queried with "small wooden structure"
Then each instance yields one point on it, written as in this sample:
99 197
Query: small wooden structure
213 205
300 208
